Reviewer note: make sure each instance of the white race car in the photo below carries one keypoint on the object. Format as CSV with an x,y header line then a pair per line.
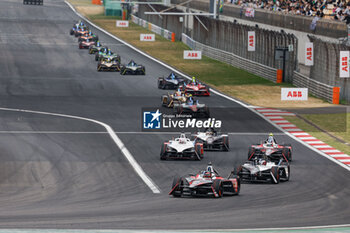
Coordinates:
x,y
212,140
181,148
264,170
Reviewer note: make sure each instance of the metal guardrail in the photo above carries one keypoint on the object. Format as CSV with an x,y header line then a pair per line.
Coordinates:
x,y
232,59
152,27
316,88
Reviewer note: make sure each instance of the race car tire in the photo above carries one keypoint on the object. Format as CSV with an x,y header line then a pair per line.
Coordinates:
x,y
99,68
218,188
71,32
251,152
284,174
226,144
96,57
162,152
238,184
238,171
122,71
176,190
276,173
199,151
165,100
143,70
160,83
286,154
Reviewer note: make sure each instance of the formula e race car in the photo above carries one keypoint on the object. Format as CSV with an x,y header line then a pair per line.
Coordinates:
x,y
171,82
85,44
271,149
175,99
108,64
264,170
76,26
193,108
181,148
132,68
206,183
89,36
196,89
97,48
212,140
101,53
81,31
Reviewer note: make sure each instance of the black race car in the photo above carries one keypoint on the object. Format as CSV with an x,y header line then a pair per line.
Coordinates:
x,y
173,81
97,48
194,108
132,68
206,183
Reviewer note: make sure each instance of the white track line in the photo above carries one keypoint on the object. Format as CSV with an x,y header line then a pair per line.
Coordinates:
x,y
213,91
114,137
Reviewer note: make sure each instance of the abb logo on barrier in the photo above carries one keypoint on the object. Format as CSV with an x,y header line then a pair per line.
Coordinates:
x,y
251,41
344,64
122,23
309,54
294,94
147,37
190,54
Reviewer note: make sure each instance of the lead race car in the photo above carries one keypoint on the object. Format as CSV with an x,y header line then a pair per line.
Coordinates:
x,y
132,68
272,149
206,183
173,81
264,169
212,140
108,64
193,108
196,88
181,148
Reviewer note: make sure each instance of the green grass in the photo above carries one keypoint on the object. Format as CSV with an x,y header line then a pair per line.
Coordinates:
x,y
102,16
322,121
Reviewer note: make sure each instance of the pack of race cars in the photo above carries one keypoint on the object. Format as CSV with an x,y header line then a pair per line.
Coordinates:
x,y
106,59
267,161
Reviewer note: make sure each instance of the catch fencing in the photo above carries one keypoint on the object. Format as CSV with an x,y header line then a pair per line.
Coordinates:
x,y
152,27
233,38
326,66
232,59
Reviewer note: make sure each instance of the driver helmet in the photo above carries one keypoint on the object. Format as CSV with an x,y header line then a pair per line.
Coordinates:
x,y
172,76
178,93
81,23
98,44
270,139
109,52
90,32
190,100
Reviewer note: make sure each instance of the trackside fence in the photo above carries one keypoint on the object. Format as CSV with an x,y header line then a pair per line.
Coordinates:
x,y
316,88
152,27
232,59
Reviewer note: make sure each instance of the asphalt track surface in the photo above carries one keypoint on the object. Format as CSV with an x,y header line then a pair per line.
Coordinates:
x,y
80,179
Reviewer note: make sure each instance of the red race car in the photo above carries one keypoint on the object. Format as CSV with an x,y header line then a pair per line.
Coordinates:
x,y
271,149
85,44
196,88
206,183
